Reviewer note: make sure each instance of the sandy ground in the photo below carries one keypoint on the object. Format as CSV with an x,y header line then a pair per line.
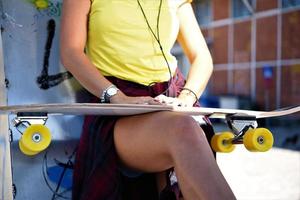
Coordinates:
x,y
273,175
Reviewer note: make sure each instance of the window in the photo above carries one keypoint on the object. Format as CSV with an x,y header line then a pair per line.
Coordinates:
x,y
290,3
203,11
242,8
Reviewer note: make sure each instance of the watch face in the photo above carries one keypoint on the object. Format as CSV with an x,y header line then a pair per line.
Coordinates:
x,y
111,91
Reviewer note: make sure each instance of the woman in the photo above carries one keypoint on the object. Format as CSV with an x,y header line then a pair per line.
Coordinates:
x,y
119,50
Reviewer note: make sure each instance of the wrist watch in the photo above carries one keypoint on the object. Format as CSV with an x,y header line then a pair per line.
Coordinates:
x,y
108,93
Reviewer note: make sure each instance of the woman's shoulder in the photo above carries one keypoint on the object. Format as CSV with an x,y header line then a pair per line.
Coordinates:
x,y
180,2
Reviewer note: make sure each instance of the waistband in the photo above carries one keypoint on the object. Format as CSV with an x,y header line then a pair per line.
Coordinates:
x,y
170,88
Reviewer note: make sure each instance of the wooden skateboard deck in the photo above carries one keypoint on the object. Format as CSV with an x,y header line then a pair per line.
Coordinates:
x,y
243,123
133,109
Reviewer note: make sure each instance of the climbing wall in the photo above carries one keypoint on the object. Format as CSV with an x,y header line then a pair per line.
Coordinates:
x,y
33,74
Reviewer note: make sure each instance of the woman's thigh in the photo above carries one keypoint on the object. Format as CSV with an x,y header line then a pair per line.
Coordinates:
x,y
145,142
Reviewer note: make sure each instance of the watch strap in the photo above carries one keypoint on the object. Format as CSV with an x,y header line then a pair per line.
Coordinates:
x,y
105,98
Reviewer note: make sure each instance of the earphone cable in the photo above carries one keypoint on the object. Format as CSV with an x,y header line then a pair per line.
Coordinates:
x,y
157,38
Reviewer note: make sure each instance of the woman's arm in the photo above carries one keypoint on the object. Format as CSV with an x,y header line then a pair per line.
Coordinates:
x,y
195,48
73,39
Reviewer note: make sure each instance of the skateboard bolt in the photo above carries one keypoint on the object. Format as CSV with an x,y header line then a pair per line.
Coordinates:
x,y
36,137
260,140
225,142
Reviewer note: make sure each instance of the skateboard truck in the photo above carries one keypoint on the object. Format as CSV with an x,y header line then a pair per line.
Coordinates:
x,y
24,120
239,125
243,130
36,137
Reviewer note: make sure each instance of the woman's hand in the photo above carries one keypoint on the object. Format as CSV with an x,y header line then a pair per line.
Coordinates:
x,y
182,100
121,98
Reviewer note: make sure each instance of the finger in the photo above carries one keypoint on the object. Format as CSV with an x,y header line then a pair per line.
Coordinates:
x,y
143,100
146,100
179,102
162,99
170,100
155,102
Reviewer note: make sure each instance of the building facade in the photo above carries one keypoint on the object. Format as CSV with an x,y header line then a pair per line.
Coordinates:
x,y
255,46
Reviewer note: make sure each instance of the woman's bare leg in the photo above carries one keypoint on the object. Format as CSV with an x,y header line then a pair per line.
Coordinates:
x,y
158,141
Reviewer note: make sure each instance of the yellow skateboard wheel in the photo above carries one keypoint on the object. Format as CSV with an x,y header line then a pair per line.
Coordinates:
x,y
36,138
41,4
26,151
222,142
258,140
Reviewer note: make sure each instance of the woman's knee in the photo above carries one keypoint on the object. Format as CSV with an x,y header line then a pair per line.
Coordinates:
x,y
184,130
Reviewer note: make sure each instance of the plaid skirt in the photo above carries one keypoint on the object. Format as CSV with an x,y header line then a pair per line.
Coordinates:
x,y
96,175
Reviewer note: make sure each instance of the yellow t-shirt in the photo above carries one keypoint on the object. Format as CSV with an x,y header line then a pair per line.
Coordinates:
x,y
120,43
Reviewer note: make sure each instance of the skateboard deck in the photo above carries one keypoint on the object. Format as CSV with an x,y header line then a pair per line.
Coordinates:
x,y
242,123
133,109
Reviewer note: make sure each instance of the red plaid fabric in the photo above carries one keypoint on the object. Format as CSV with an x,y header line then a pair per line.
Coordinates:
x,y
96,175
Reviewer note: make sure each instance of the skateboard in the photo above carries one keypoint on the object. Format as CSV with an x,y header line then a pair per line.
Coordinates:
x,y
30,120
